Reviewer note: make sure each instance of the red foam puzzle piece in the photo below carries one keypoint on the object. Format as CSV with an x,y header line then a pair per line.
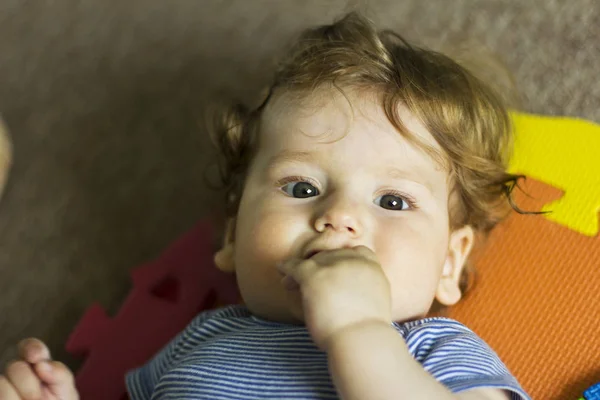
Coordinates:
x,y
167,294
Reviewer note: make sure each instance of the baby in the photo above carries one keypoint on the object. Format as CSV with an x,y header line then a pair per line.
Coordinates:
x,y
355,193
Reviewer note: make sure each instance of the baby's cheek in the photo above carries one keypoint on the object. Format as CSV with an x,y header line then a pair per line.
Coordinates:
x,y
411,260
261,242
413,285
267,238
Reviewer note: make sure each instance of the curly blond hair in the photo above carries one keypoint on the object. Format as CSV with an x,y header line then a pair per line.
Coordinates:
x,y
467,118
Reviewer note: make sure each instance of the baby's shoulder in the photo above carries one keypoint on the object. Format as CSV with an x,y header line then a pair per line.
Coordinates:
x,y
227,312
425,334
228,317
440,325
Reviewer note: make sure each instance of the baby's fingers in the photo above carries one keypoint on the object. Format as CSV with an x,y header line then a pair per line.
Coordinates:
x,y
58,379
296,272
33,351
7,390
24,381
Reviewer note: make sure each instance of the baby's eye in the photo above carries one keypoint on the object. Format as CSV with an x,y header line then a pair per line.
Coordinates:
x,y
300,190
392,202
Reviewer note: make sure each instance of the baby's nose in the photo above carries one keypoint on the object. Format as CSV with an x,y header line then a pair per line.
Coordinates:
x,y
341,217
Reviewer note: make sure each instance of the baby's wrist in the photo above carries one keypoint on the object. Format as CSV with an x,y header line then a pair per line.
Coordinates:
x,y
357,331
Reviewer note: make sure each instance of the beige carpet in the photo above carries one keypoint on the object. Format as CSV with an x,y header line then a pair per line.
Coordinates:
x,y
103,100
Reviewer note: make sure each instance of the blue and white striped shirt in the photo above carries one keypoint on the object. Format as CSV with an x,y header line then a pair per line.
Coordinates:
x,y
230,354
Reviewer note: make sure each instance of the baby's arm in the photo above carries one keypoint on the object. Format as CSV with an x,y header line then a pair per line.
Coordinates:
x,y
371,360
35,376
347,309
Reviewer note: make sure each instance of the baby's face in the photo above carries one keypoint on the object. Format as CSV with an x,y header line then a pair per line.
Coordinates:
x,y
322,162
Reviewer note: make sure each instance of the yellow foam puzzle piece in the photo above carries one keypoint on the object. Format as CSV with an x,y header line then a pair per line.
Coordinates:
x,y
564,153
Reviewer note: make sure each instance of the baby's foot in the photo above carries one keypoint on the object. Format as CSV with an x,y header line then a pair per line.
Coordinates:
x,y
36,377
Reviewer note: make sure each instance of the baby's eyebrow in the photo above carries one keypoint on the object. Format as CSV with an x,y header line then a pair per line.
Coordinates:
x,y
291,156
391,172
397,173
401,174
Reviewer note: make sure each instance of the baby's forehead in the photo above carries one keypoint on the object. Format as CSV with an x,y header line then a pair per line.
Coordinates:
x,y
295,107
324,116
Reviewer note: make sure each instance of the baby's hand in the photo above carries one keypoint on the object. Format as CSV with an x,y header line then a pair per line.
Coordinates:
x,y
35,377
340,288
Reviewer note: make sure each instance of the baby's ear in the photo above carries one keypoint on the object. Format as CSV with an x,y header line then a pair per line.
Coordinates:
x,y
459,247
224,258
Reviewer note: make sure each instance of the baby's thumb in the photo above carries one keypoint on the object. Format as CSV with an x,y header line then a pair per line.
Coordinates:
x,y
58,379
33,350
